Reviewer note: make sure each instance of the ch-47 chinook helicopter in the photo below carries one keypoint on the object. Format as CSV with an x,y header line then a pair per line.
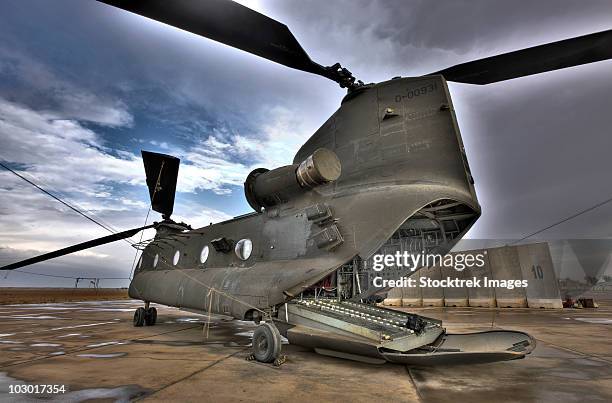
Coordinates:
x,y
389,164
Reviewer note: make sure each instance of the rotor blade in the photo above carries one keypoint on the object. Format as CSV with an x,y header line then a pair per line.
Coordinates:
x,y
75,248
230,23
539,59
161,171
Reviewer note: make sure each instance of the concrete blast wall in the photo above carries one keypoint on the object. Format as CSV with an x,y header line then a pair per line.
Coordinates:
x,y
531,262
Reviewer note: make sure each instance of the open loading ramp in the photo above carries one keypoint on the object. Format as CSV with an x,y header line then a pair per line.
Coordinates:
x,y
372,334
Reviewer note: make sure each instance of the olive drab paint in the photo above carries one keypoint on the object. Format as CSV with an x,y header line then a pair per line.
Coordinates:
x,y
399,149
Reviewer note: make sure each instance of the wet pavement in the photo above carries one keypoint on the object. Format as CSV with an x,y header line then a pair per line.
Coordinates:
x,y
571,363
93,349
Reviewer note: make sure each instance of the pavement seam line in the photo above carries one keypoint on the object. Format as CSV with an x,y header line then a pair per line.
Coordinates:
x,y
416,388
190,375
584,355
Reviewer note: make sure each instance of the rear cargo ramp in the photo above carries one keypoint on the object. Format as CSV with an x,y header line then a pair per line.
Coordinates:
x,y
372,334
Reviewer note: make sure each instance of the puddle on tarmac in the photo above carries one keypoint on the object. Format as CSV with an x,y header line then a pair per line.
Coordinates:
x,y
87,325
131,302
106,310
69,335
10,317
57,353
598,321
9,342
6,334
118,394
45,345
185,343
108,343
109,355
189,320
46,308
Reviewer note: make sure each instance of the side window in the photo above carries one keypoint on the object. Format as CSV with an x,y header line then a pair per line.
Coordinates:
x,y
204,254
243,249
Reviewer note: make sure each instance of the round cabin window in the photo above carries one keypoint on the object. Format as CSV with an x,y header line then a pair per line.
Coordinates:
x,y
204,254
243,249
177,256
156,260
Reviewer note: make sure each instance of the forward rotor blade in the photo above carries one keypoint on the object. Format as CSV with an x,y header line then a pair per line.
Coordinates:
x,y
161,171
75,248
539,59
230,23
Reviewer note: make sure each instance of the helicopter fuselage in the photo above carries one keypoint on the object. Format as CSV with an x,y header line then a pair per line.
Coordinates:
x,y
402,163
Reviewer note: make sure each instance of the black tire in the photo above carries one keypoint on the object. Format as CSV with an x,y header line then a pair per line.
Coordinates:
x,y
150,316
266,343
139,317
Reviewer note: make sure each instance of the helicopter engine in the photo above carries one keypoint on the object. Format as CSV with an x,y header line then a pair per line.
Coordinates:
x,y
264,188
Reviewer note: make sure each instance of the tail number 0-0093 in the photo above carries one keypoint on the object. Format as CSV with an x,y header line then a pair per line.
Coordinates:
x,y
416,92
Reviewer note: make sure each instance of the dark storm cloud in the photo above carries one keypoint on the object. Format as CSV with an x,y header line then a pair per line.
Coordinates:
x,y
461,25
540,151
538,146
419,36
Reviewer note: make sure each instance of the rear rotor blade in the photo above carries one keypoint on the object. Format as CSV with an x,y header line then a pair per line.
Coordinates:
x,y
75,248
539,59
227,22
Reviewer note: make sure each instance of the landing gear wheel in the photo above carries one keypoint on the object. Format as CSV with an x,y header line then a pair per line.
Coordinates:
x,y
266,343
139,317
150,316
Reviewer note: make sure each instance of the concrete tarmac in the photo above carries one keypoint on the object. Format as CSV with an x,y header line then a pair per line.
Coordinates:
x,y
93,349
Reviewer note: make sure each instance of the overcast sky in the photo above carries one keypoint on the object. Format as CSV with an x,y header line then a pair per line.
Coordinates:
x,y
84,87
